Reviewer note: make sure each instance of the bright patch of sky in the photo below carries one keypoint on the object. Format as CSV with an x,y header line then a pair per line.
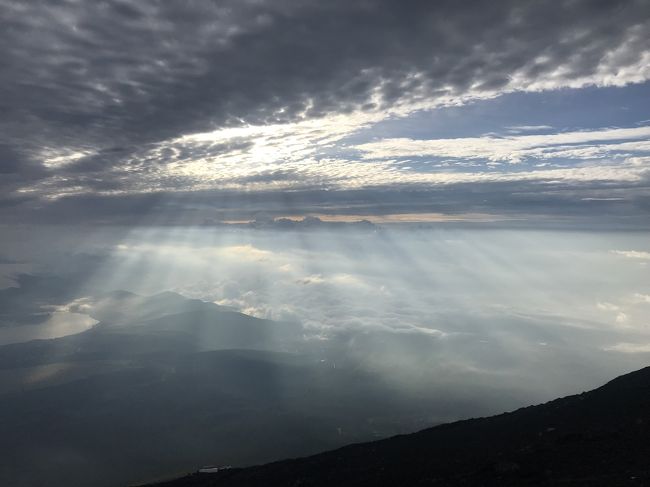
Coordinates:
x,y
551,111
607,123
589,134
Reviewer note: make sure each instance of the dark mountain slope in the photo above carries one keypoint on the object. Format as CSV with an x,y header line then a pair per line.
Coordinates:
x,y
597,438
168,416
138,397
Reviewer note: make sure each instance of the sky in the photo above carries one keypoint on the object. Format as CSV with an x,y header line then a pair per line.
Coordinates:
x,y
199,111
458,189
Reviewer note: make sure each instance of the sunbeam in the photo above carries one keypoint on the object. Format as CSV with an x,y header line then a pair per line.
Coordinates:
x,y
237,232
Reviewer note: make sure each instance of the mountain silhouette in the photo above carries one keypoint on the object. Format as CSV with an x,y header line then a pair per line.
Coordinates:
x,y
597,438
163,384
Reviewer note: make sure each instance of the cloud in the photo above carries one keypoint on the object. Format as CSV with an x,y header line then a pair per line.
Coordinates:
x,y
514,148
626,347
607,306
632,254
528,200
300,156
440,303
105,97
246,252
642,298
528,128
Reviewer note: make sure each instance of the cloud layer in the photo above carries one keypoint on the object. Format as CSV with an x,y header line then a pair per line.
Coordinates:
x,y
112,97
453,305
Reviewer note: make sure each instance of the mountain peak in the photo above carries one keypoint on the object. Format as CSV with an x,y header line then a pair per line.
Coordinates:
x,y
638,379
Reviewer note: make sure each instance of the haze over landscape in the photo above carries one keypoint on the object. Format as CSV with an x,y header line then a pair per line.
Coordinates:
x,y
240,231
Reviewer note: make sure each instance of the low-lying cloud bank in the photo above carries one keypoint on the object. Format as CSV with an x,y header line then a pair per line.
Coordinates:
x,y
446,304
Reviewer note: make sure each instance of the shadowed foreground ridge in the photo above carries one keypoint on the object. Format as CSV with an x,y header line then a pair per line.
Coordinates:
x,y
597,438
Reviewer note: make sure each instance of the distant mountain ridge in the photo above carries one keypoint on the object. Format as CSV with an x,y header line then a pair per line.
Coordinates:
x,y
597,438
130,325
163,384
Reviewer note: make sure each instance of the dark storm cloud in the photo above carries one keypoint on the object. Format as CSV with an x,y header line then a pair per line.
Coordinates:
x,y
99,75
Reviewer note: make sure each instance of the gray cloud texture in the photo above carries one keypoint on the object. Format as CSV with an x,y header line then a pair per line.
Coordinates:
x,y
104,82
